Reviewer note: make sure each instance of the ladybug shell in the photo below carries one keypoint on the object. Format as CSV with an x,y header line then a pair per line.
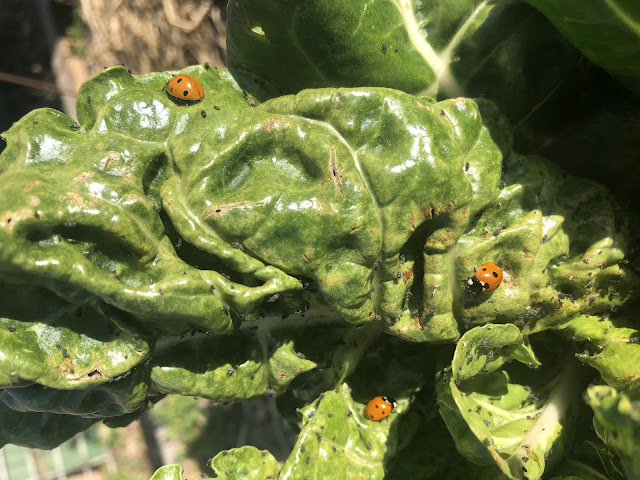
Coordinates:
x,y
379,407
489,275
185,87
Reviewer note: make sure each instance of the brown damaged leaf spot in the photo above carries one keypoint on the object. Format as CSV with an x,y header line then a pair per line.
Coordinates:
x,y
9,219
270,124
426,213
218,210
406,275
355,229
75,200
82,177
32,185
334,173
631,378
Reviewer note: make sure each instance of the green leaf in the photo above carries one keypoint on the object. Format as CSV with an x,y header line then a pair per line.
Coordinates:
x,y
426,449
558,239
168,472
505,51
459,49
617,423
337,440
612,348
225,369
41,430
245,462
112,399
46,340
607,33
88,228
494,418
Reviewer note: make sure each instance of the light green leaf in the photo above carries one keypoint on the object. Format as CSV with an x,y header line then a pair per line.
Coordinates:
x,y
617,423
46,340
337,440
168,472
245,462
494,419
613,348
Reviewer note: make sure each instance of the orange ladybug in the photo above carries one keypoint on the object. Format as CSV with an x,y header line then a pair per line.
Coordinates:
x,y
379,407
185,87
487,278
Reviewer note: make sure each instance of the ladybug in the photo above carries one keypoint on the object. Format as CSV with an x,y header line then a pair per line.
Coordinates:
x,y
185,87
487,278
379,407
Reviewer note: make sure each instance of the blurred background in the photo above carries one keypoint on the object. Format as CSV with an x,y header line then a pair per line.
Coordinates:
x,y
52,46
49,48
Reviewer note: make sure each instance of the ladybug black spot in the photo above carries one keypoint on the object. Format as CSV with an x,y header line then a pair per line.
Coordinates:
x,y
185,93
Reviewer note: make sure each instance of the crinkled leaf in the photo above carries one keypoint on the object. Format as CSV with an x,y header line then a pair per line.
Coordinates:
x,y
617,423
496,420
559,242
561,105
348,166
79,205
613,348
245,462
